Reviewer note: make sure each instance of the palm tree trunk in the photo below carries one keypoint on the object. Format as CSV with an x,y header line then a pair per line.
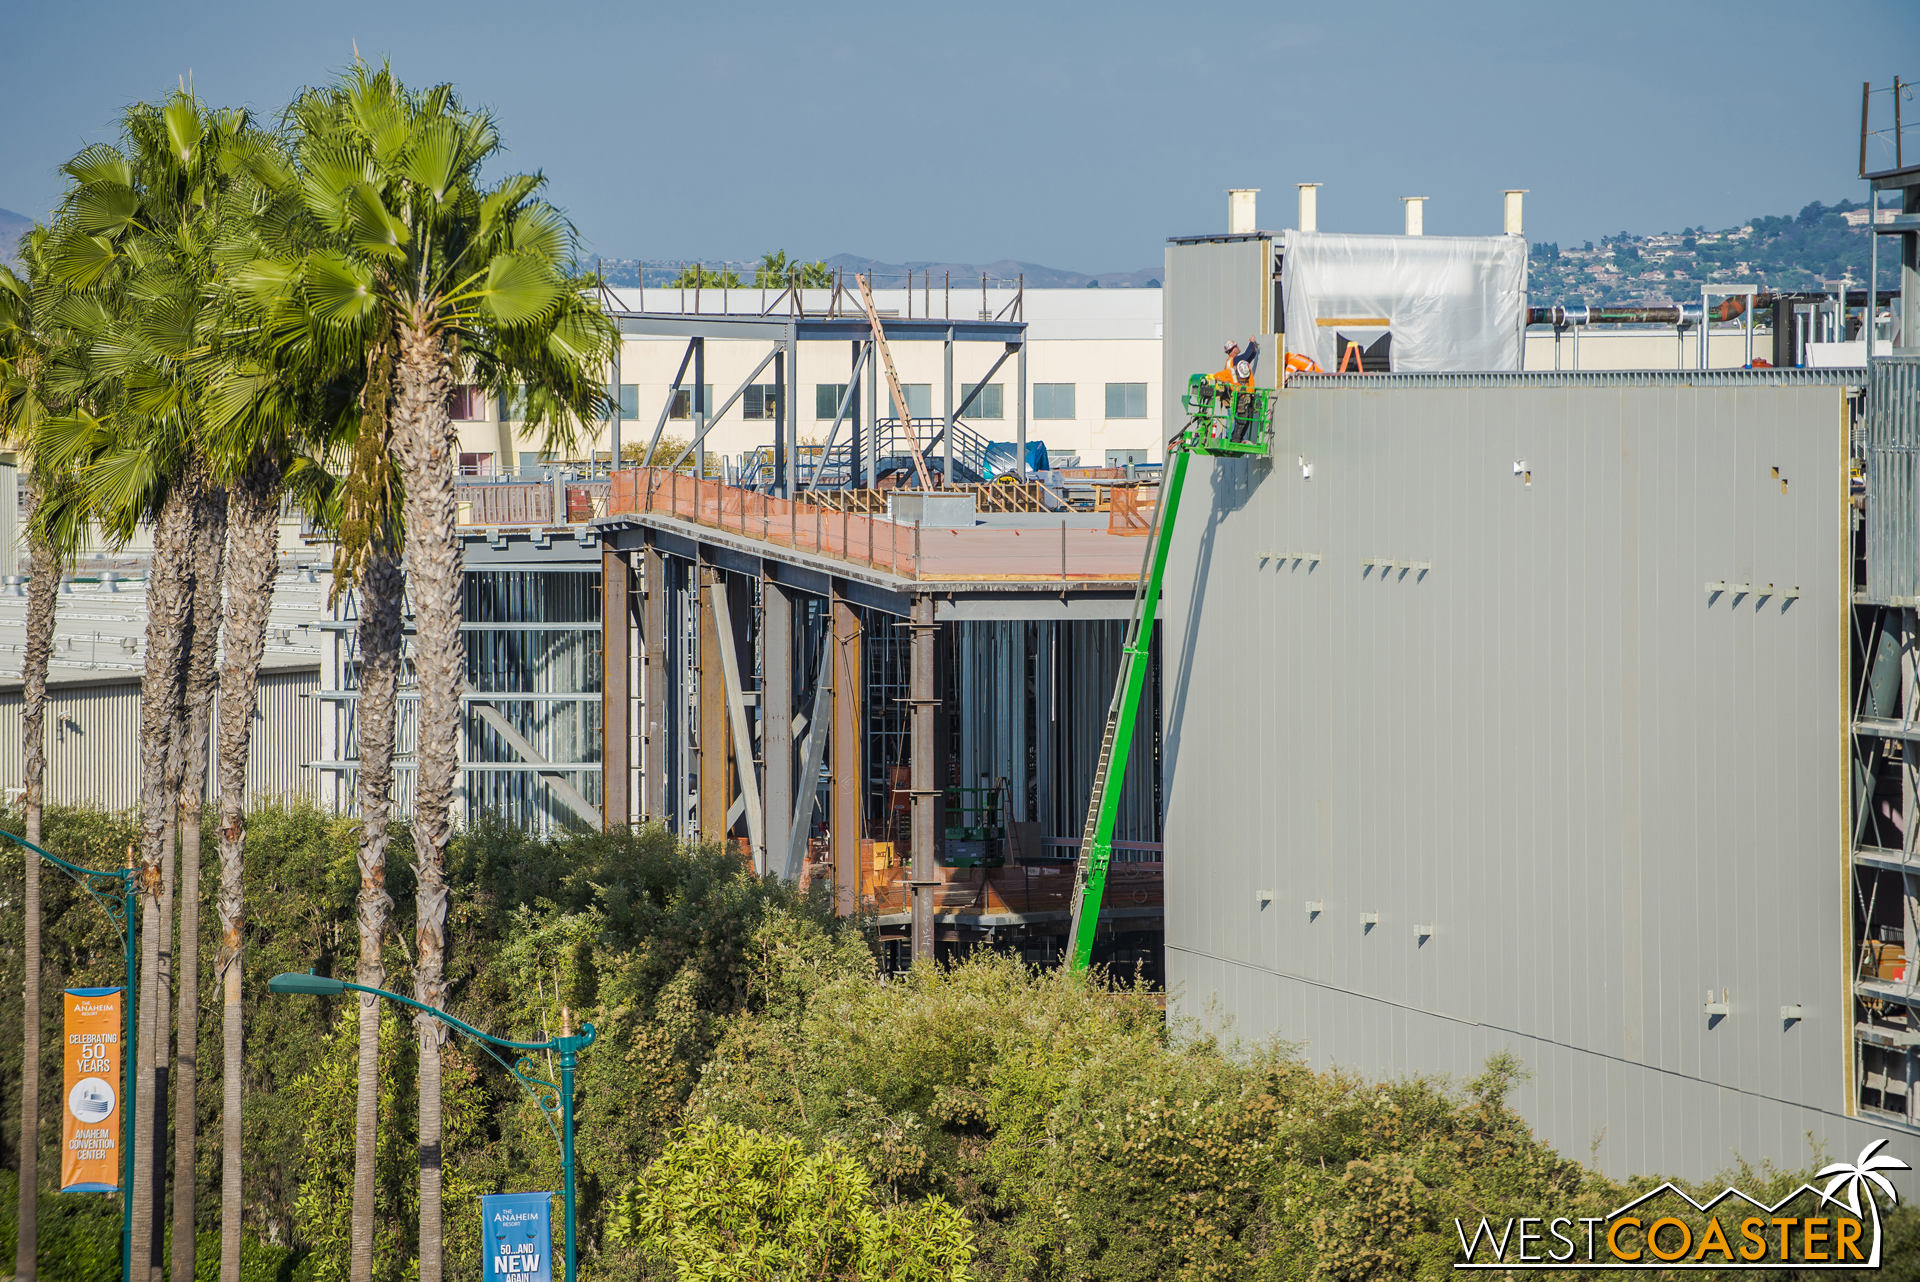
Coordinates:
x,y
252,561
381,592
210,534
43,595
169,604
427,448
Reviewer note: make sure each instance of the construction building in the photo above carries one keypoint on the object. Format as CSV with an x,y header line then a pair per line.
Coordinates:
x,y
1566,713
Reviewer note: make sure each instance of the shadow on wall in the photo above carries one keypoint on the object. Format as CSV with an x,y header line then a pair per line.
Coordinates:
x,y
1231,486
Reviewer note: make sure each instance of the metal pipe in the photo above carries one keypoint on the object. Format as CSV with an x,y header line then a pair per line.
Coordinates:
x,y
699,401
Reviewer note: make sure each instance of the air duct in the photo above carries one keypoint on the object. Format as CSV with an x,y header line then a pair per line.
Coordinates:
x,y
1513,227
1309,212
1240,219
1416,223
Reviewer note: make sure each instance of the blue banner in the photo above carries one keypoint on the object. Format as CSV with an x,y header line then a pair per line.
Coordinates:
x,y
516,1232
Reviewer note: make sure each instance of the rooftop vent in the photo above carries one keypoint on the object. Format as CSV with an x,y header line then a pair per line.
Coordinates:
x,y
1240,219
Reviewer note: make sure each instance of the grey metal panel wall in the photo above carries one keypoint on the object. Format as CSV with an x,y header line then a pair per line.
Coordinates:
x,y
1215,293
1605,790
93,742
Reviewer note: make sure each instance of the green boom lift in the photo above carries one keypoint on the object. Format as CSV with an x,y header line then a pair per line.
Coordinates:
x,y
1226,420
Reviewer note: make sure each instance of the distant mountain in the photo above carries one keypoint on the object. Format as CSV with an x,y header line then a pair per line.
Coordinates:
x,y
12,228
1000,275
1004,271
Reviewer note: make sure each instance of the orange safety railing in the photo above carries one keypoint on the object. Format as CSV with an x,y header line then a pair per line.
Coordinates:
x,y
856,538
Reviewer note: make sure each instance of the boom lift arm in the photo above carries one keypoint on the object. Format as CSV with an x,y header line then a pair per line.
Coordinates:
x,y
1228,419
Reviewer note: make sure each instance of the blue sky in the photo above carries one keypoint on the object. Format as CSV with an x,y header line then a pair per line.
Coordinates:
x,y
1078,136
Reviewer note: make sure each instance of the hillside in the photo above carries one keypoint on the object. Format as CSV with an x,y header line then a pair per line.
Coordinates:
x,y
1812,250
12,227
626,272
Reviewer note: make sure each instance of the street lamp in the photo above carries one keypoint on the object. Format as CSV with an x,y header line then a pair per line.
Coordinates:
x,y
116,891
549,1097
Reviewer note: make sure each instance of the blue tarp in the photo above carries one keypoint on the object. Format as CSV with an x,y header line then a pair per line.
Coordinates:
x,y
1000,457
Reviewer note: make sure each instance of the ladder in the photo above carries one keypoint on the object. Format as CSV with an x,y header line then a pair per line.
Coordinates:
x,y
893,382
1227,421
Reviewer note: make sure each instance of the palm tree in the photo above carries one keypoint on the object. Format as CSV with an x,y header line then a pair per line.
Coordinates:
x,y
134,244
22,362
1863,1176
449,281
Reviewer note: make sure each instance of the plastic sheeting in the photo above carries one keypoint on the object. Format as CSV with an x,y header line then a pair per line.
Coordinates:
x,y
1451,303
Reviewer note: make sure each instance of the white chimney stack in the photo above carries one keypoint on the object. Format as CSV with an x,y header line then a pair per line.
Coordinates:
x,y
1513,227
1240,219
1309,211
1416,223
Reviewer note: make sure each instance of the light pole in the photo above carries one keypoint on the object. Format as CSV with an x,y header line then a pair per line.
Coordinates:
x,y
551,1099
118,902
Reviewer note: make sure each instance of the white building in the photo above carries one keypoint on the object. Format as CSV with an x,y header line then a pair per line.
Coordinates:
x,y
1093,368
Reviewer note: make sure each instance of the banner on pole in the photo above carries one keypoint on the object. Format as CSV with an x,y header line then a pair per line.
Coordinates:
x,y
517,1235
90,1121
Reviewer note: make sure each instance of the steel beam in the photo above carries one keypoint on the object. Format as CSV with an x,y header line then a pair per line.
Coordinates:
x,y
730,644
552,775
811,755
653,443
616,696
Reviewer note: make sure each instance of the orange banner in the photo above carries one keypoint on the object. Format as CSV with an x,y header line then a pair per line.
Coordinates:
x,y
90,1126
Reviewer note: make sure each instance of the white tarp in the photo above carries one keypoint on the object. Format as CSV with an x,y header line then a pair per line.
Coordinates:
x,y
1450,302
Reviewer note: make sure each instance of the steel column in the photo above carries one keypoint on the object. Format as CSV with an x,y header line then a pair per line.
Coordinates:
x,y
616,696
946,434
790,397
776,717
712,694
779,424
1020,428
656,798
699,408
858,477
614,454
925,782
872,408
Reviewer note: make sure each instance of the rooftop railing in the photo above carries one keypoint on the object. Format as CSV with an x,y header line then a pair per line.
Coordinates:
x,y
869,540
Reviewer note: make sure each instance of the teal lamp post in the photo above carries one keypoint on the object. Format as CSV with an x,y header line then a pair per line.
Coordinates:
x,y
551,1099
115,891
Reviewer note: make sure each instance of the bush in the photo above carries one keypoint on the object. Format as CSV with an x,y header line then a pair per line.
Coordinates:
x,y
724,1202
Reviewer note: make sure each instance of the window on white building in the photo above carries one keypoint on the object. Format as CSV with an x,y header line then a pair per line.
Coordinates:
x,y
467,402
683,402
1053,400
629,400
1126,400
991,403
761,401
827,397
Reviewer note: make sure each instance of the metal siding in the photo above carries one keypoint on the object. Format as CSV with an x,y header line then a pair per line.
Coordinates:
x,y
93,742
1606,792
1214,295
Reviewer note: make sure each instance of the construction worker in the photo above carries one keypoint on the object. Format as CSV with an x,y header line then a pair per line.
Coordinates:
x,y
1240,365
1236,382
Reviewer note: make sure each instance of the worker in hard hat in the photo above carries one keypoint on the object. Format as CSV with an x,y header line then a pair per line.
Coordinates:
x,y
1241,363
1236,383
